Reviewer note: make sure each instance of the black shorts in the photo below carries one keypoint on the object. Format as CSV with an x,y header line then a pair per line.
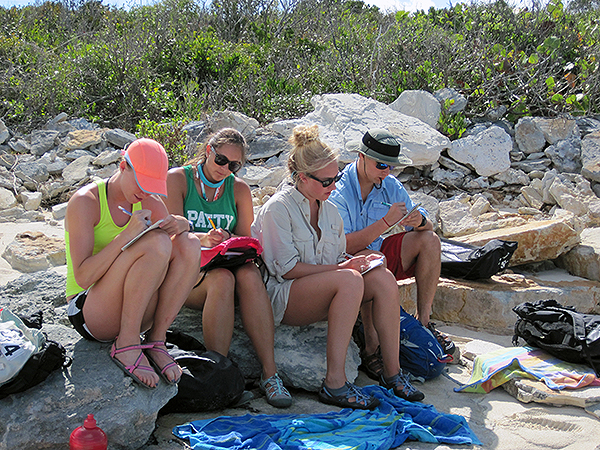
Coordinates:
x,y
75,313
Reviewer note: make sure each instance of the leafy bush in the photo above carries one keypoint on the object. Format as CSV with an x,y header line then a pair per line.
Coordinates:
x,y
181,59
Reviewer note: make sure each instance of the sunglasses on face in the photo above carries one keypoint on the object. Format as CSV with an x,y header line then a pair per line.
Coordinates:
x,y
382,166
327,181
222,160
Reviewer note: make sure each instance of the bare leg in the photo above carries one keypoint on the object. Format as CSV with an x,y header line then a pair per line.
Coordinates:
x,y
423,248
381,291
125,297
181,277
335,296
257,315
215,297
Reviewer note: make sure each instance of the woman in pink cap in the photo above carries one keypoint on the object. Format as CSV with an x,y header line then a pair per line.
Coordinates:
x,y
117,293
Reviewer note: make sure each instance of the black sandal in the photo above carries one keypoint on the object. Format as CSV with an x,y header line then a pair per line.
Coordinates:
x,y
372,365
361,401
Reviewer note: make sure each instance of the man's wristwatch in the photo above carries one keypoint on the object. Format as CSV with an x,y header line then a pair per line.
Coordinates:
x,y
423,221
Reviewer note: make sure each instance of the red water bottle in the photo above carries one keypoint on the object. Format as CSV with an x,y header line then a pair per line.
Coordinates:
x,y
88,436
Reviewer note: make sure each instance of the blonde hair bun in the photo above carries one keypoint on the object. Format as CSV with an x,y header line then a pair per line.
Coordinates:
x,y
304,135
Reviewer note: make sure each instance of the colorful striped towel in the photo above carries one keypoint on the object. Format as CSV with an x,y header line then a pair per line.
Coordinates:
x,y
388,426
496,368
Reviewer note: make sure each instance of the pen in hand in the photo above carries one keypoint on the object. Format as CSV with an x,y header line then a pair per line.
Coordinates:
x,y
212,223
148,222
386,204
347,255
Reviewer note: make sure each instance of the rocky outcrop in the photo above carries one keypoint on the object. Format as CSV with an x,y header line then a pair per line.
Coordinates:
x,y
488,304
93,384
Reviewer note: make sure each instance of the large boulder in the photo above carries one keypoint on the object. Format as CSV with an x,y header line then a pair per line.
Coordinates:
x,y
92,384
487,152
346,117
538,240
584,259
300,352
487,304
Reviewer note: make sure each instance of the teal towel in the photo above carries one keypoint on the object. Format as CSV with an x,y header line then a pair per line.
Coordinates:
x,y
392,423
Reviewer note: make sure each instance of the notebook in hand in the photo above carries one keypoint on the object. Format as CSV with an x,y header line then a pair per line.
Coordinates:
x,y
135,239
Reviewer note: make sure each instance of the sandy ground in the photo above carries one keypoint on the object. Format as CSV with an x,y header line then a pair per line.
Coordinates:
x,y
499,420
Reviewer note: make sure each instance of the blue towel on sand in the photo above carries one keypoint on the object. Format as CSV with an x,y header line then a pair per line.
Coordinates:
x,y
393,422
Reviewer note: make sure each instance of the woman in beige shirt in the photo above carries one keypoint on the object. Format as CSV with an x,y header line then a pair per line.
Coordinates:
x,y
303,247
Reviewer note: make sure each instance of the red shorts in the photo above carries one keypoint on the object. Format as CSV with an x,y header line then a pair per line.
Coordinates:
x,y
391,248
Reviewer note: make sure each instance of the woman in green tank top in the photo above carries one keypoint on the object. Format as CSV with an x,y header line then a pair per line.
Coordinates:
x,y
115,291
218,206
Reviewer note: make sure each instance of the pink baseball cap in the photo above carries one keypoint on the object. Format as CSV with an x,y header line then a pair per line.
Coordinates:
x,y
150,164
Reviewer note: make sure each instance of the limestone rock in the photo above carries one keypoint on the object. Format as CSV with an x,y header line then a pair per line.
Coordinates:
x,y
82,139
420,104
42,141
538,240
590,156
32,251
7,199
232,119
346,117
487,304
93,384
300,352
78,169
529,136
119,138
31,200
584,259
4,133
39,291
457,101
487,152
107,157
266,145
527,391
456,218
566,155
557,129
59,211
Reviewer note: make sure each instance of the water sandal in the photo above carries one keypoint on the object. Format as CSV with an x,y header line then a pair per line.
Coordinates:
x,y
114,351
446,343
157,346
361,401
372,365
401,386
277,395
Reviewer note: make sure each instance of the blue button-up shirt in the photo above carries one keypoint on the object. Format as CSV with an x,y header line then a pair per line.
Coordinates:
x,y
358,215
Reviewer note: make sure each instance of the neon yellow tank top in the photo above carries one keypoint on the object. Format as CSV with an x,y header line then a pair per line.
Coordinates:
x,y
104,232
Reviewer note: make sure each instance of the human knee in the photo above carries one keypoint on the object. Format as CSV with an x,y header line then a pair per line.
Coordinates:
x,y
158,244
220,280
349,279
186,246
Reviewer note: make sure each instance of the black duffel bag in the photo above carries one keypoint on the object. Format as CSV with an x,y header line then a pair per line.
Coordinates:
x,y
560,330
469,262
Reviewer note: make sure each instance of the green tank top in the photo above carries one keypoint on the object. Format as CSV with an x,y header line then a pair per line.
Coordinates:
x,y
104,232
222,211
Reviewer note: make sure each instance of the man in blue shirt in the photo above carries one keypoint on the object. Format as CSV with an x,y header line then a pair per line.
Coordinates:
x,y
371,201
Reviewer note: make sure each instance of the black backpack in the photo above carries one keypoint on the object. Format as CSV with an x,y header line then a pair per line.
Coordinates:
x,y
460,260
210,381
560,331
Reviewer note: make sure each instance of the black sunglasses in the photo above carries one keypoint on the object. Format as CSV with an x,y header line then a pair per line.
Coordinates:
x,y
381,166
327,181
222,160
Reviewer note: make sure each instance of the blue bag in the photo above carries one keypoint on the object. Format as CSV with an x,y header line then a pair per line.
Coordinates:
x,y
420,353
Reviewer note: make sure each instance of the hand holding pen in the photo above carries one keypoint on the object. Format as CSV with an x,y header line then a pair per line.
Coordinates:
x,y
143,214
215,235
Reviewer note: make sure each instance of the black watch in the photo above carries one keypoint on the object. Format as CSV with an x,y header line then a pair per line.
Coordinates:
x,y
424,221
